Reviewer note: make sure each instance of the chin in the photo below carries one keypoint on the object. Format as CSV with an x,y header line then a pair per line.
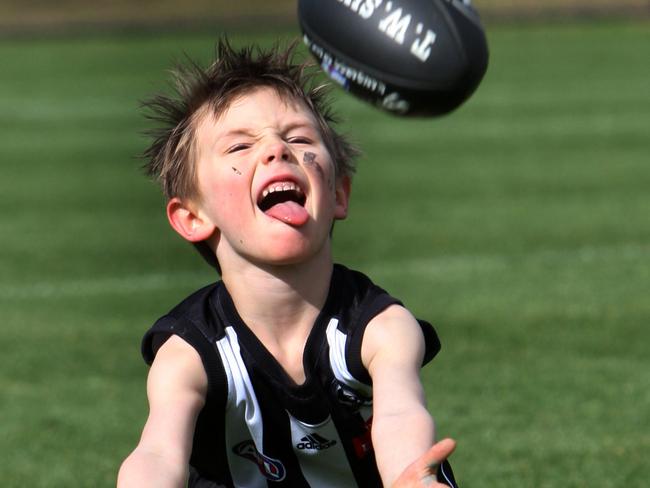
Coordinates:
x,y
292,255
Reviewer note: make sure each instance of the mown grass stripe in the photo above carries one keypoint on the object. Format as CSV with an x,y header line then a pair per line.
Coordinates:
x,y
455,265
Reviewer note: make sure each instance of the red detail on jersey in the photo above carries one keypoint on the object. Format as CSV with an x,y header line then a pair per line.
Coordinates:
x,y
270,468
363,443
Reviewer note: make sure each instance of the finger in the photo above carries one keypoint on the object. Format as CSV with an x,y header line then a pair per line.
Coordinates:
x,y
437,454
422,472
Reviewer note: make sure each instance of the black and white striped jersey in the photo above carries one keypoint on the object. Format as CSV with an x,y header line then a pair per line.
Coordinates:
x,y
259,428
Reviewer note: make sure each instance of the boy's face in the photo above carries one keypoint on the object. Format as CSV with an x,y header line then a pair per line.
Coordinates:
x,y
267,183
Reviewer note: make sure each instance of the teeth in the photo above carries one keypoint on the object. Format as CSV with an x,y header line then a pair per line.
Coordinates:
x,y
282,186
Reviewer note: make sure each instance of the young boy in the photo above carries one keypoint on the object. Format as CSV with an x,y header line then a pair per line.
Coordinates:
x,y
290,371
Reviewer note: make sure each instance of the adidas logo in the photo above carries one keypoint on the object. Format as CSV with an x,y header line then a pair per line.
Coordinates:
x,y
314,441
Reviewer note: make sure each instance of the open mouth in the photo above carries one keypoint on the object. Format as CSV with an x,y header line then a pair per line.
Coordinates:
x,y
280,192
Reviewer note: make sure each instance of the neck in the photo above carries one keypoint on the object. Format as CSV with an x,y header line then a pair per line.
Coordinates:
x,y
280,298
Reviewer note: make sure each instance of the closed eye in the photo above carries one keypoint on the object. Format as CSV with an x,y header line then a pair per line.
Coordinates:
x,y
237,147
299,140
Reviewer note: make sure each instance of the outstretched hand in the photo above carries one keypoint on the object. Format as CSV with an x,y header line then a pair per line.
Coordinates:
x,y
422,472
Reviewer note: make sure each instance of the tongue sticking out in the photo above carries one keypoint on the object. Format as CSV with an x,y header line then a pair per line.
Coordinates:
x,y
289,212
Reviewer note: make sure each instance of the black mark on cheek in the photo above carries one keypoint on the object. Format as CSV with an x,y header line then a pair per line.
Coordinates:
x,y
310,160
236,170
309,157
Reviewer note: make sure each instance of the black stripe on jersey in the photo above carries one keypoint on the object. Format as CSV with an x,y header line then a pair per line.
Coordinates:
x,y
211,460
353,430
446,475
278,443
355,437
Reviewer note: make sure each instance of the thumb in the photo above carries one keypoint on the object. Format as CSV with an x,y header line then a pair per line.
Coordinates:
x,y
429,462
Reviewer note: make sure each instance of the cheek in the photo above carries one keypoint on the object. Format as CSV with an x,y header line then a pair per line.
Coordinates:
x,y
225,194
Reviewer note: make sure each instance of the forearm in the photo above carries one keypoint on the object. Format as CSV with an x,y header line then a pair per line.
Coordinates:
x,y
400,438
144,468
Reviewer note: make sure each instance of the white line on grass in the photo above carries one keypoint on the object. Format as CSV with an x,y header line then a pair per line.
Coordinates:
x,y
103,286
456,265
472,264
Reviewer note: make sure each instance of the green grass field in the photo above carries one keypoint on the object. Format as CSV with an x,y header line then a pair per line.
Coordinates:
x,y
519,225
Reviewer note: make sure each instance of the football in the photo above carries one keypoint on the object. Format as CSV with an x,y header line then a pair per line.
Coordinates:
x,y
409,57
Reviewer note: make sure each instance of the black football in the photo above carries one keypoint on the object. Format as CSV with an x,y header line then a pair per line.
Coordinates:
x,y
410,57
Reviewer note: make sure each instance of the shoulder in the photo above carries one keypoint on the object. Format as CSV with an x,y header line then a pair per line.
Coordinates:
x,y
188,334
193,319
359,299
177,365
394,336
193,307
374,320
176,389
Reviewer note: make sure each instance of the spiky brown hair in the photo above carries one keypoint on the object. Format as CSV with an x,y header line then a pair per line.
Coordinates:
x,y
171,157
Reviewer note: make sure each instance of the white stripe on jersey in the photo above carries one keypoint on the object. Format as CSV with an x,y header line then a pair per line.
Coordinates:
x,y
243,415
446,476
336,340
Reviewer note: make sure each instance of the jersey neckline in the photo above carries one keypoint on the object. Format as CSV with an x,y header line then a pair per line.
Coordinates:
x,y
259,353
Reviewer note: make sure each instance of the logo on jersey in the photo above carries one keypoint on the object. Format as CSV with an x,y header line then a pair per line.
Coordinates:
x,y
314,442
271,469
349,397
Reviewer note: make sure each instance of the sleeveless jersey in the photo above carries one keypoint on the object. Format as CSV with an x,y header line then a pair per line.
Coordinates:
x,y
259,428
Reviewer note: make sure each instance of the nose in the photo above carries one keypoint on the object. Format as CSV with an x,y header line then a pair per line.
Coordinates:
x,y
276,151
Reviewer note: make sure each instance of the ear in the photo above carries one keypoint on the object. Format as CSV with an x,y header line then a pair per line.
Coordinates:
x,y
187,221
342,189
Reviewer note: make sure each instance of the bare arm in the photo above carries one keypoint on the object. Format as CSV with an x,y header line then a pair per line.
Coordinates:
x,y
402,429
176,389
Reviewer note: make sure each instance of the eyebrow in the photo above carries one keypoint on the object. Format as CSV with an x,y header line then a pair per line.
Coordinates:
x,y
301,125
236,132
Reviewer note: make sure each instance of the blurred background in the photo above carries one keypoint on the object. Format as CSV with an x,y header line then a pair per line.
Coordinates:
x,y
40,15
33,16
519,225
